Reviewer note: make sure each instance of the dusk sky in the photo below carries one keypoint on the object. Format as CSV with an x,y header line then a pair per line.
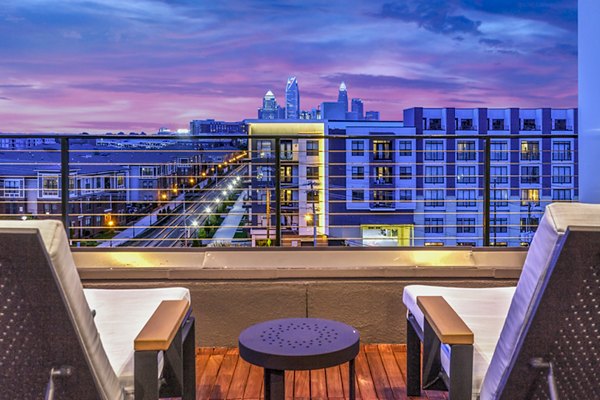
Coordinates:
x,y
112,65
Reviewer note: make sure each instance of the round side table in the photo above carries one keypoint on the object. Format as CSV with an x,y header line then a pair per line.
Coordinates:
x,y
298,344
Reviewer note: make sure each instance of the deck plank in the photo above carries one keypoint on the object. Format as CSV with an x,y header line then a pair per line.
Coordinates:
x,y
335,390
239,380
378,374
254,383
225,374
318,385
392,370
302,385
363,376
209,375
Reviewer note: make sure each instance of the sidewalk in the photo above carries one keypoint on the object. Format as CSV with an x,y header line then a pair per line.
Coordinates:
x,y
231,222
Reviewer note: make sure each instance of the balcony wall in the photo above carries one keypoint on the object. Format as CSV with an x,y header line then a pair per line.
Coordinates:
x,y
362,287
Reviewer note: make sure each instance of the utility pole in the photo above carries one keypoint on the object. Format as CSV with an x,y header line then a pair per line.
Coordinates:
x,y
314,211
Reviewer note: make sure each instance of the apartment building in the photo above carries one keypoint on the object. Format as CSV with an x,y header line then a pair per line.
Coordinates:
x,y
418,182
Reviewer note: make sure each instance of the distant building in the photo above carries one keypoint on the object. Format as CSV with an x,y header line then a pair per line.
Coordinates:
x,y
358,108
372,115
292,99
352,116
343,96
208,126
333,110
270,109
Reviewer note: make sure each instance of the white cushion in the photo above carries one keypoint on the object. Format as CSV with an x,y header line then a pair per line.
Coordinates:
x,y
120,316
544,247
55,240
482,309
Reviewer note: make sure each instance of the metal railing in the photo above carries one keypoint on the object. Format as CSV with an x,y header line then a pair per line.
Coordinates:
x,y
234,190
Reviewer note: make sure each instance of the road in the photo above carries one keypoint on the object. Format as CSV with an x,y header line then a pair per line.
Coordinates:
x,y
174,229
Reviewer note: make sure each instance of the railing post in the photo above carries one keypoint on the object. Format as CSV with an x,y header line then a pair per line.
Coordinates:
x,y
64,183
278,192
486,192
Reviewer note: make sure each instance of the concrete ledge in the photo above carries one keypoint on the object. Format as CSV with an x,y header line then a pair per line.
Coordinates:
x,y
361,287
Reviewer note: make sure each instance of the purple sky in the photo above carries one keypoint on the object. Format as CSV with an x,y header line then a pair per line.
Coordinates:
x,y
110,65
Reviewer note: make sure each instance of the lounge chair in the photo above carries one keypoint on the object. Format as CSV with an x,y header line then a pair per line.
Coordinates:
x,y
60,340
536,341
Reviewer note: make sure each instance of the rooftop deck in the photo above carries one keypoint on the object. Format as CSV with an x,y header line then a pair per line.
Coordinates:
x,y
380,374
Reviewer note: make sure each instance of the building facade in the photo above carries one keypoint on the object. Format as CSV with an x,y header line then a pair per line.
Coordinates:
x,y
423,181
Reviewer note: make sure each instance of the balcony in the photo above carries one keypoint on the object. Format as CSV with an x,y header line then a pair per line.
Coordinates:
x,y
233,284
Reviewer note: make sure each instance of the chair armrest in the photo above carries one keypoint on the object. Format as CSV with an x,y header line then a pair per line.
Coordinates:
x,y
444,321
159,331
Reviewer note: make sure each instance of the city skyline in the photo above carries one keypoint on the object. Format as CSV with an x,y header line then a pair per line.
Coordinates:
x,y
105,65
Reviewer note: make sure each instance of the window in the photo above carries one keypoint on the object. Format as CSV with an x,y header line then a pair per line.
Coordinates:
x,y
405,195
120,181
465,151
383,175
286,152
530,150
383,199
498,225
358,195
50,186
529,224
358,172
405,172
499,151
466,124
263,173
560,124
497,124
561,151
312,173
312,147
465,198
530,196
404,148
466,175
435,124
358,148
465,225
286,174
148,171
434,174
434,225
434,150
529,124
530,174
382,149
561,195
13,188
499,198
499,174
263,147
561,175
286,198
434,198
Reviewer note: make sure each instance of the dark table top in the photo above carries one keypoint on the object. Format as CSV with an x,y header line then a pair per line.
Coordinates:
x,y
299,343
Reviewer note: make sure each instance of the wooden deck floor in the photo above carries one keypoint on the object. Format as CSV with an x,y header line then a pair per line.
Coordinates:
x,y
380,374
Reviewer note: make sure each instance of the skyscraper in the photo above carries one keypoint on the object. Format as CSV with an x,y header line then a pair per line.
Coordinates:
x,y
292,99
270,109
343,96
357,107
